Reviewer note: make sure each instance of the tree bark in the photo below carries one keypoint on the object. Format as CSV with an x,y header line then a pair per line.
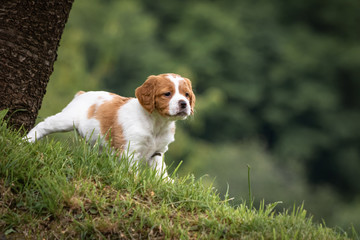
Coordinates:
x,y
30,31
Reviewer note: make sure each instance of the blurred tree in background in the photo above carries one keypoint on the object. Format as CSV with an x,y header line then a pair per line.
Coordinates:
x,y
277,85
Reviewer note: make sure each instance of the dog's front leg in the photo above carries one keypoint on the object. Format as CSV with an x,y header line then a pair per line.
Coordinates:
x,y
157,163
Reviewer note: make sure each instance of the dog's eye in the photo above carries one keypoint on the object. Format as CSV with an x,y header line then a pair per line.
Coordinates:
x,y
167,94
187,95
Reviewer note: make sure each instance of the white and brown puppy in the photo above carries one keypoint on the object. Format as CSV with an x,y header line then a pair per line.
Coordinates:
x,y
144,125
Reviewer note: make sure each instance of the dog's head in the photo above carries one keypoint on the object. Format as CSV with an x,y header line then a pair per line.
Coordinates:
x,y
169,94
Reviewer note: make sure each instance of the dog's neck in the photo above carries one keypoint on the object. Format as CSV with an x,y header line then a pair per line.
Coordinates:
x,y
161,123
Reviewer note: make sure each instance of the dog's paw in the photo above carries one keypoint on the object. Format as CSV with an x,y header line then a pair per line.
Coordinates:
x,y
168,179
27,138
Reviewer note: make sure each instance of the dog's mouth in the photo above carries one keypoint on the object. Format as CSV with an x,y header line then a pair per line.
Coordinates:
x,y
181,114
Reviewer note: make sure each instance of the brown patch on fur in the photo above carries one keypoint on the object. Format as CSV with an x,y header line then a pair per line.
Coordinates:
x,y
185,87
91,111
146,93
151,94
107,115
164,85
79,93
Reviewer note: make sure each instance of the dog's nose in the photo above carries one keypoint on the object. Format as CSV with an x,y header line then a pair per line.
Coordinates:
x,y
182,104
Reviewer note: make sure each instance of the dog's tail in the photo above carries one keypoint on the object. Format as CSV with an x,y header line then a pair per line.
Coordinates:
x,y
79,93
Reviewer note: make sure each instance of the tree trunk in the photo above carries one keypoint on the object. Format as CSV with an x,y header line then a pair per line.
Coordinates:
x,y
30,31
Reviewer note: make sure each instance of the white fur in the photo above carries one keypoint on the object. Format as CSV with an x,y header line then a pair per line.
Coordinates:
x,y
146,133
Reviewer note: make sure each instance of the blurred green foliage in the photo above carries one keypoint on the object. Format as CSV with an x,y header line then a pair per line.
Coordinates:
x,y
277,86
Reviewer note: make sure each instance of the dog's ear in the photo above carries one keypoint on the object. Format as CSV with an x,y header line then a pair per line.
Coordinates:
x,y
146,93
192,95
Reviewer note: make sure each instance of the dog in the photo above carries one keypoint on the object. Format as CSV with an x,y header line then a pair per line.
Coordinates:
x,y
143,126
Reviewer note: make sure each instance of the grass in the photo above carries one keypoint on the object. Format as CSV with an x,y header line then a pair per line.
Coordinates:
x,y
57,190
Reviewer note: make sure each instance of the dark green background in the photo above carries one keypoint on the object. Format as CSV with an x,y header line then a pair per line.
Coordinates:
x,y
277,85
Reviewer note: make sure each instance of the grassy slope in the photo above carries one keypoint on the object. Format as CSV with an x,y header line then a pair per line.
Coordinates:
x,y
68,190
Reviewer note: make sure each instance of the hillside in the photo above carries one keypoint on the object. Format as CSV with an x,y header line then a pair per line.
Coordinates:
x,y
66,190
